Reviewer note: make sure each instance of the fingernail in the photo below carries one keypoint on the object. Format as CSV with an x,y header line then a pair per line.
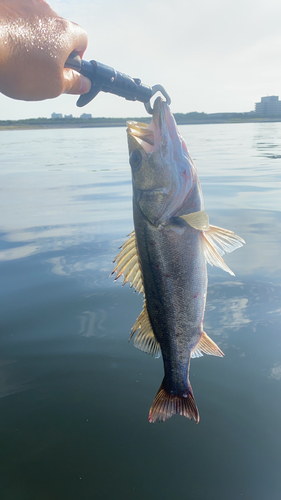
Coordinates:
x,y
85,85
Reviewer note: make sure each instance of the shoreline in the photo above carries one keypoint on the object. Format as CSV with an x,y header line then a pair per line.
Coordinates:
x,y
45,124
58,126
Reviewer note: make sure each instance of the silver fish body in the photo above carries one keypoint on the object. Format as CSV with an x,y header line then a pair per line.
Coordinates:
x,y
171,246
175,282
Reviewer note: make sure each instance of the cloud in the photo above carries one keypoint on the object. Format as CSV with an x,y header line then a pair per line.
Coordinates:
x,y
210,56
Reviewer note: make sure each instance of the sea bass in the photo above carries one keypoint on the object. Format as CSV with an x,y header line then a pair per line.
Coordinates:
x,y
166,257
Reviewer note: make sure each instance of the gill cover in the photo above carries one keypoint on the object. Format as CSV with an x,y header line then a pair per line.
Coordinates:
x,y
162,170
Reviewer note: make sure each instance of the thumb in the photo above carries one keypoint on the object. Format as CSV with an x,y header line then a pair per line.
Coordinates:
x,y
74,83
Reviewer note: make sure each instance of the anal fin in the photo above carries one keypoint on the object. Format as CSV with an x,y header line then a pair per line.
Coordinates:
x,y
145,339
206,345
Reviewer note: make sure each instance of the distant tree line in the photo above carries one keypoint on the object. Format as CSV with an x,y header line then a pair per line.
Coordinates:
x,y
181,119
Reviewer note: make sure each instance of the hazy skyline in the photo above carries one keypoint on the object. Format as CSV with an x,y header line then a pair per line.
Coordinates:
x,y
210,56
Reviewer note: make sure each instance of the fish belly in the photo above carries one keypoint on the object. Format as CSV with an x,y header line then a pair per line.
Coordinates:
x,y
175,282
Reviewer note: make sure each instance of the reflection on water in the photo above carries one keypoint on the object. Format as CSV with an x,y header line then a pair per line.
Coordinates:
x,y
276,372
74,393
267,140
92,323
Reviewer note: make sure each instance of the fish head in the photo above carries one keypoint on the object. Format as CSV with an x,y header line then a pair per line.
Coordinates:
x,y
163,173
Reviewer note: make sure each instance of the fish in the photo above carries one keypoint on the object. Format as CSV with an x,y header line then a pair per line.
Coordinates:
x,y
165,258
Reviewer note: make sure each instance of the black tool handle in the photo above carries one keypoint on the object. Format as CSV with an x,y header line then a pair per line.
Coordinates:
x,y
106,79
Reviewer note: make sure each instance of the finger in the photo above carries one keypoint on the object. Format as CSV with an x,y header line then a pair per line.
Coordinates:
x,y
74,83
80,39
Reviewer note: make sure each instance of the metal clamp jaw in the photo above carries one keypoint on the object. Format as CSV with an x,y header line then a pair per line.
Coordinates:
x,y
106,79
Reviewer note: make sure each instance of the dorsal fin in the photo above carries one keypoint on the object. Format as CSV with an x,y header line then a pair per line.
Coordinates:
x,y
127,263
206,345
145,339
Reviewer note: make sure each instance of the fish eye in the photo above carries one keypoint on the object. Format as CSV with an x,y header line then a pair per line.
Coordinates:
x,y
135,159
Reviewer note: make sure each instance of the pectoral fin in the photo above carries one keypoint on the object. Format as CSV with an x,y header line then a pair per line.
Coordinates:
x,y
145,339
206,345
198,220
127,263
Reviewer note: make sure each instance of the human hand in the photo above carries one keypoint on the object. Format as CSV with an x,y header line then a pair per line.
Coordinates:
x,y
34,45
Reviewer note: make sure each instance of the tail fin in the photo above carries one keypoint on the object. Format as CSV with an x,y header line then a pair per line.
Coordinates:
x,y
166,405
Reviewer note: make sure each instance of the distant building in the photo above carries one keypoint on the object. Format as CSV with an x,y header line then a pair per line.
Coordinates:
x,y
56,115
86,116
269,106
68,116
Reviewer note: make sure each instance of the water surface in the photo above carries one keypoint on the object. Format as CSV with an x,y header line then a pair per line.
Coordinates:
x,y
74,394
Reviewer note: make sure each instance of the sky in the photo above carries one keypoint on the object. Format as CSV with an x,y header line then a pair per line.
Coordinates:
x,y
211,56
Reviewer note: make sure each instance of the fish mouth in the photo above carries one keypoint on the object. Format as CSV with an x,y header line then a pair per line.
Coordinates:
x,y
141,132
150,136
